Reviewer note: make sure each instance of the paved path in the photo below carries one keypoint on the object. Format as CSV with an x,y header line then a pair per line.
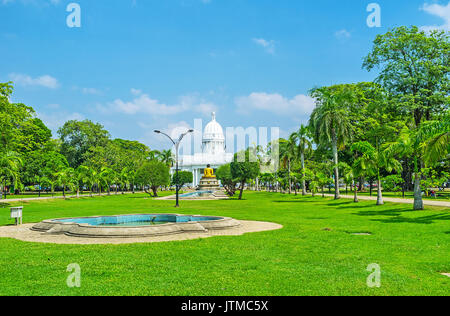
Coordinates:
x,y
395,200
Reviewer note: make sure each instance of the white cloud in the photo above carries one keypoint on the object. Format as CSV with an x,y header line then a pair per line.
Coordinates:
x,y
299,105
342,34
26,80
442,11
143,104
269,45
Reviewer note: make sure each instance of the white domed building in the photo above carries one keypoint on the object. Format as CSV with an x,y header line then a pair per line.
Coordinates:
x,y
213,152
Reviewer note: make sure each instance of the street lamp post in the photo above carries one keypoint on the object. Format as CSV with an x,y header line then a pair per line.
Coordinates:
x,y
177,146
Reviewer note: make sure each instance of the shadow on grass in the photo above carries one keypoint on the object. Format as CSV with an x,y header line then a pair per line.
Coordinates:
x,y
296,201
396,216
392,212
3,205
419,220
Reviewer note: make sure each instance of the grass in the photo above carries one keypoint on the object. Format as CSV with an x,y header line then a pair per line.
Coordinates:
x,y
314,254
441,196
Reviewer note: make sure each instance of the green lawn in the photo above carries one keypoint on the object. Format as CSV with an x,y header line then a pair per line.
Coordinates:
x,y
412,248
441,196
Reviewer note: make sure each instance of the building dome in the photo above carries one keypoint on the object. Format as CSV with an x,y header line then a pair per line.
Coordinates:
x,y
213,138
213,131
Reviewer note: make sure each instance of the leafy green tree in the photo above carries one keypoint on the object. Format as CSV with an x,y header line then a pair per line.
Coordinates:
x,y
10,163
392,182
414,68
153,174
226,178
330,123
184,177
20,130
245,166
78,137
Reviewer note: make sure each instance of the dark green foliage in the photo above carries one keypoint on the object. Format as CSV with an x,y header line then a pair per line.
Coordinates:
x,y
153,174
245,166
184,177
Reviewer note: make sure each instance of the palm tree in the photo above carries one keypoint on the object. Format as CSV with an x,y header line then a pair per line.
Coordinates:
x,y
372,159
65,178
106,176
124,177
10,163
408,144
304,147
330,122
435,136
166,157
89,176
288,153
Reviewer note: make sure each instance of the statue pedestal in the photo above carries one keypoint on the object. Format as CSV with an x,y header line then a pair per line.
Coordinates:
x,y
209,184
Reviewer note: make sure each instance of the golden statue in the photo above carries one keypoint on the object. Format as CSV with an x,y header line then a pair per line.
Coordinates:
x,y
209,172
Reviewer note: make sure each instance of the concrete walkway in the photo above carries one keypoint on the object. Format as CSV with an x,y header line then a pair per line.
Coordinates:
x,y
394,200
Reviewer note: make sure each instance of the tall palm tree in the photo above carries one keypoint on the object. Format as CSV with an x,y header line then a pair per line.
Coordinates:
x,y
124,177
435,136
89,176
406,145
302,136
288,153
166,157
106,176
372,159
10,163
330,122
65,178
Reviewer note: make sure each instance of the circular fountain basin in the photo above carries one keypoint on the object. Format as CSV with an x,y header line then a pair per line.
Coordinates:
x,y
138,225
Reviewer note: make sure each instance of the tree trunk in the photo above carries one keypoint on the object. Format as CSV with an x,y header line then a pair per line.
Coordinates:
x,y
155,191
355,198
289,176
242,189
336,170
379,192
302,158
418,202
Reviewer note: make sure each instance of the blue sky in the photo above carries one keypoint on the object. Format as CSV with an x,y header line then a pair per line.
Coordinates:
x,y
140,65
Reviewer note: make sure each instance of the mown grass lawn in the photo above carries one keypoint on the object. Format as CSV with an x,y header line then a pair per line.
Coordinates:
x,y
412,248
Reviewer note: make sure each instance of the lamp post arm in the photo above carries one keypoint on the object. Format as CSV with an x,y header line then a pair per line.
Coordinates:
x,y
168,137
